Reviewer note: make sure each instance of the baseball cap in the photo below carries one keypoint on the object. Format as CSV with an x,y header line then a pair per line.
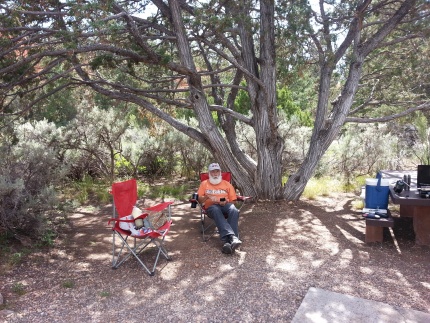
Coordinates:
x,y
214,166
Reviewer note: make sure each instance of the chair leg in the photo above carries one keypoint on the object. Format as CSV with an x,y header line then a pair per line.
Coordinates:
x,y
119,258
132,251
204,229
161,250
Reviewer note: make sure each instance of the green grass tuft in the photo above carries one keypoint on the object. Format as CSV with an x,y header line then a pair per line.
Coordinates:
x,y
69,283
323,186
18,288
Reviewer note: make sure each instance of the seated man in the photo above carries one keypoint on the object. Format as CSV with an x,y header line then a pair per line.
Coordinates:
x,y
216,195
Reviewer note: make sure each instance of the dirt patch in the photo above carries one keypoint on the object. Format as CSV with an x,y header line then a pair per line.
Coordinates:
x,y
287,248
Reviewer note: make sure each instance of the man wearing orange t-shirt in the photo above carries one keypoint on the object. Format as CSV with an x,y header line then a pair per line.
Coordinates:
x,y
216,195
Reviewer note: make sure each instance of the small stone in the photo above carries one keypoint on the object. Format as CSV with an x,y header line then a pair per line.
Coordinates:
x,y
5,313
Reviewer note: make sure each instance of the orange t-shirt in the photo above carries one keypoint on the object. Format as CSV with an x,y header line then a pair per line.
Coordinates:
x,y
215,192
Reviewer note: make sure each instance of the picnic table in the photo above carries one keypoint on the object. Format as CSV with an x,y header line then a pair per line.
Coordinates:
x,y
411,204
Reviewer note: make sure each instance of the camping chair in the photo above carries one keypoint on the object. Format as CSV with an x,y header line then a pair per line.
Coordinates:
x,y
129,223
240,202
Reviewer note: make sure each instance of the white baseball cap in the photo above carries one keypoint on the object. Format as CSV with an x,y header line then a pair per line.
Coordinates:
x,y
214,166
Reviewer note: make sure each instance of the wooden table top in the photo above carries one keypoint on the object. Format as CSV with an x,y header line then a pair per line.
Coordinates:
x,y
411,197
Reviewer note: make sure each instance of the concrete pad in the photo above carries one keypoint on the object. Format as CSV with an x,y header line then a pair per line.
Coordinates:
x,y
323,306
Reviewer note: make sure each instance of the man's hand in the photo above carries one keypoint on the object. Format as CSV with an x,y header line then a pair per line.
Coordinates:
x,y
223,201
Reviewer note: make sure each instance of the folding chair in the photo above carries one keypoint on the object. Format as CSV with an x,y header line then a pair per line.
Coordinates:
x,y
240,202
124,218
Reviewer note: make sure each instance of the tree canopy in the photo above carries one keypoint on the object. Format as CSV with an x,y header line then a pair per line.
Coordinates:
x,y
225,62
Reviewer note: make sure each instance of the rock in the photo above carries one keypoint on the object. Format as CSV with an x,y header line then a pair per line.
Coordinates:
x,y
1,299
5,313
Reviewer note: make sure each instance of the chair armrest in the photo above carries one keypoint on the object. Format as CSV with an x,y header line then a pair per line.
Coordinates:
x,y
159,207
243,198
142,216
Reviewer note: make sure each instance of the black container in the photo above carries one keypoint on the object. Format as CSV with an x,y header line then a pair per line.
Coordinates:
x,y
194,197
400,185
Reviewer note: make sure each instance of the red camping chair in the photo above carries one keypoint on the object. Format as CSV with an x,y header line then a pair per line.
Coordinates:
x,y
203,214
124,226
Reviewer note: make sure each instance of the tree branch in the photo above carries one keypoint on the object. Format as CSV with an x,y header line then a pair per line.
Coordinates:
x,y
422,107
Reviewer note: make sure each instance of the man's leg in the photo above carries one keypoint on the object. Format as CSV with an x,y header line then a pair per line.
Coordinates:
x,y
232,214
224,228
228,229
232,217
233,220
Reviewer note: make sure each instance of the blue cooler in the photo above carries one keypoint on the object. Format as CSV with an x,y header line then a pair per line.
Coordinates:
x,y
377,192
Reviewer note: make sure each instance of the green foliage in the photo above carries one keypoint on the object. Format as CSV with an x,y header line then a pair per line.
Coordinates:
x,y
145,153
398,76
169,191
29,170
328,186
83,189
4,236
103,60
421,148
19,288
68,283
59,108
360,150
296,139
323,186
143,62
89,190
93,139
17,73
242,104
48,237
103,196
16,258
160,151
142,189
124,167
285,103
357,204
190,157
11,259
291,109
49,151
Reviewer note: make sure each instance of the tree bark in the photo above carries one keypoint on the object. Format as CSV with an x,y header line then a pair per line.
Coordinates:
x,y
243,46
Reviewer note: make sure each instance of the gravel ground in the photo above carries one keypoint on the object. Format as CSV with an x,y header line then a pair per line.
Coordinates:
x,y
287,248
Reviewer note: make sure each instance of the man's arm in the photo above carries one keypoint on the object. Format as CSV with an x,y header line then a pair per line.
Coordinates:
x,y
203,199
201,191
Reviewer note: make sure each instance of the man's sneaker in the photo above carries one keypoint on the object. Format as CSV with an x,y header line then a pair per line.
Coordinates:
x,y
234,242
226,248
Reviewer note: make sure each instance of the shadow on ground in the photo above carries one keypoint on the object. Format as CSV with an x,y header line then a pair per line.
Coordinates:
x,y
287,248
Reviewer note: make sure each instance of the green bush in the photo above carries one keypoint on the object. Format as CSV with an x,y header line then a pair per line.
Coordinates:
x,y
360,150
179,192
29,171
89,190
